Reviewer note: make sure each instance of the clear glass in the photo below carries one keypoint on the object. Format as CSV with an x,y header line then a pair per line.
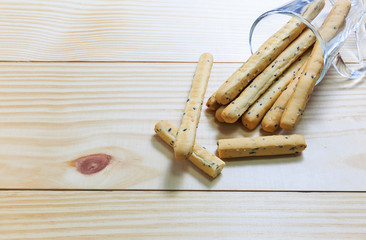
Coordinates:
x,y
332,50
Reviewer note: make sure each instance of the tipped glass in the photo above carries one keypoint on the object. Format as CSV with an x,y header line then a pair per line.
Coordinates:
x,y
354,29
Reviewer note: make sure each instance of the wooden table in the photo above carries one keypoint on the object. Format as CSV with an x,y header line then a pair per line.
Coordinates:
x,y
93,76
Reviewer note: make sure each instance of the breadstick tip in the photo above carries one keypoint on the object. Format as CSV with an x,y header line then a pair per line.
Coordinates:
x,y
207,56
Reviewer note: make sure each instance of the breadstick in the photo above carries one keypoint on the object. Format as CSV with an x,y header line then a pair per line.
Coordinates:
x,y
186,134
265,54
271,121
260,84
218,114
212,103
314,66
261,146
256,112
200,157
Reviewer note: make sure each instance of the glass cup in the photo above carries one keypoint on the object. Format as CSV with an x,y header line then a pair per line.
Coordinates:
x,y
354,30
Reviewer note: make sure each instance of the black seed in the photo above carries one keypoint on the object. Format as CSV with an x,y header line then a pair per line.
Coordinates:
x,y
194,108
298,48
257,115
312,76
251,152
184,129
335,27
297,24
248,75
258,53
281,146
184,114
305,74
255,149
208,60
275,125
188,100
293,148
232,102
286,137
248,113
203,147
169,129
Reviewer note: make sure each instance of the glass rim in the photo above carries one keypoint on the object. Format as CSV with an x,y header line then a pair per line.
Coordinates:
x,y
303,20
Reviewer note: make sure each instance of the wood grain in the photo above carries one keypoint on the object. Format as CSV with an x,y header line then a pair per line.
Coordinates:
x,y
54,113
143,30
181,215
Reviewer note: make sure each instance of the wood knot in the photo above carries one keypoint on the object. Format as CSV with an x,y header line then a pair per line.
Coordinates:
x,y
92,163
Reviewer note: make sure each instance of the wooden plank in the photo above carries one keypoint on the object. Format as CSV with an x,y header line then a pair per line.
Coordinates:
x,y
54,113
144,30
177,215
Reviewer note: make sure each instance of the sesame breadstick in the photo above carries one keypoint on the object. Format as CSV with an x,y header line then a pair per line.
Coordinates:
x,y
266,54
218,114
200,157
271,121
212,103
256,112
314,66
261,146
186,134
260,84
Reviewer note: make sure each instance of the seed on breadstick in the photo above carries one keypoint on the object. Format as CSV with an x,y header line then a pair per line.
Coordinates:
x,y
255,113
186,134
212,103
260,84
261,146
203,159
271,121
314,66
218,114
265,55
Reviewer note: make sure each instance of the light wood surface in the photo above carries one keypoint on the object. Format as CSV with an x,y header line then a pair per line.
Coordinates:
x,y
181,215
143,30
54,113
113,69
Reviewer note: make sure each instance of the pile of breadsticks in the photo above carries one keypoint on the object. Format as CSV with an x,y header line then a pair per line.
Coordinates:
x,y
272,87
